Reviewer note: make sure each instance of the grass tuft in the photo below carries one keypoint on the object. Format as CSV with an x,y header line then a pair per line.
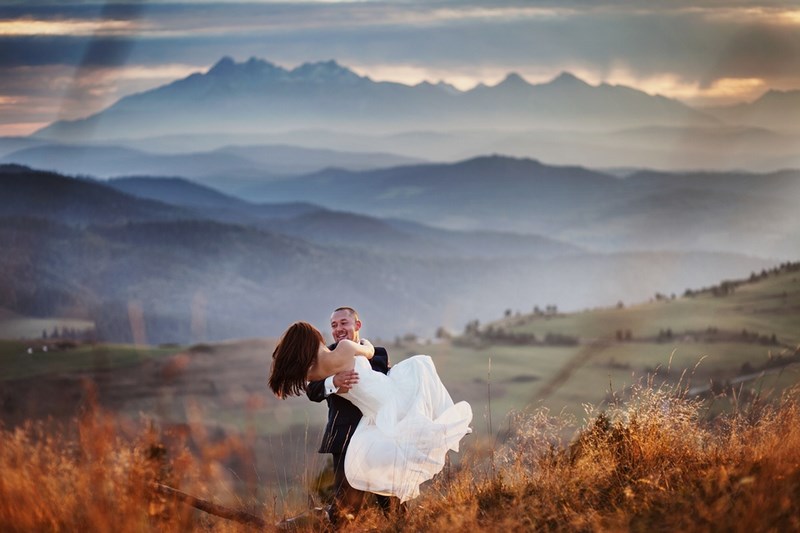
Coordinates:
x,y
653,462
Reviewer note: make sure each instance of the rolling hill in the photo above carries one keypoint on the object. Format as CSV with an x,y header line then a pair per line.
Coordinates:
x,y
719,211
94,253
243,164
207,202
492,192
328,227
736,334
13,144
47,195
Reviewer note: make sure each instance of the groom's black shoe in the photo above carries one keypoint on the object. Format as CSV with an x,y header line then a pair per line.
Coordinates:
x,y
385,503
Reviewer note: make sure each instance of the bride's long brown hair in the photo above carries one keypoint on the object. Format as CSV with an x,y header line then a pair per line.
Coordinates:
x,y
293,356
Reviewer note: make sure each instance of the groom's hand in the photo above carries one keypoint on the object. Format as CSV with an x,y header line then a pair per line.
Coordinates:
x,y
344,380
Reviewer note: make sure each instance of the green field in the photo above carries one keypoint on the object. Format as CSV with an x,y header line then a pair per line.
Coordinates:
x,y
25,359
752,328
707,341
767,306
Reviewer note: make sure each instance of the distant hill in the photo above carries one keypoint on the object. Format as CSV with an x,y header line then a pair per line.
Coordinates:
x,y
231,164
177,191
258,96
484,243
717,148
197,280
78,248
410,239
720,211
12,144
225,276
33,193
290,160
777,110
106,161
327,227
494,192
739,320
734,335
775,185
668,148
207,202
575,208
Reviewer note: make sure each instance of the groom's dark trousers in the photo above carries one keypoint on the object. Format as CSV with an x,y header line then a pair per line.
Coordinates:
x,y
343,417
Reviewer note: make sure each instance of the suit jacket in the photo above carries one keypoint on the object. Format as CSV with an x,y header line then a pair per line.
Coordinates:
x,y
343,416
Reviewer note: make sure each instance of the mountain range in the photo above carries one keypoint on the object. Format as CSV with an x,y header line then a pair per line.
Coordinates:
x,y
701,211
255,120
324,226
199,264
572,206
258,96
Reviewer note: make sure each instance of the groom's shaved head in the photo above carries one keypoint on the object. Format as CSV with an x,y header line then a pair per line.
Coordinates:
x,y
350,310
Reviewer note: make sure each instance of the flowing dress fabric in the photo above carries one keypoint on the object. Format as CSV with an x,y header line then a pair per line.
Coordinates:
x,y
409,424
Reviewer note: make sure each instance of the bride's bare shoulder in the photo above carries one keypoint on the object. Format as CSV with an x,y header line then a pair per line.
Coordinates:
x,y
346,345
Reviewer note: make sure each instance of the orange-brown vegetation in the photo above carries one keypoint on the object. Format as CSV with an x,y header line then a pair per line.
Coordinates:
x,y
102,474
655,462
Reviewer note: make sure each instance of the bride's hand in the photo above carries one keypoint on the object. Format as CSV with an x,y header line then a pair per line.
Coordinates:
x,y
368,345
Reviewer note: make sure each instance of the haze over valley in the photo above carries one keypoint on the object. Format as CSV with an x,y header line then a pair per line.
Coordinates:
x,y
203,265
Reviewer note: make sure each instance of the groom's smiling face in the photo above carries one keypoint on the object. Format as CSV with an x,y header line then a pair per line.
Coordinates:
x,y
344,326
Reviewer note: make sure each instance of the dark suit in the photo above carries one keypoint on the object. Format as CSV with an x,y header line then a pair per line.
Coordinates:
x,y
343,417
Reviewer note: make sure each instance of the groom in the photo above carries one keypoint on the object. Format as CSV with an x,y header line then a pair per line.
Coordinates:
x,y
343,416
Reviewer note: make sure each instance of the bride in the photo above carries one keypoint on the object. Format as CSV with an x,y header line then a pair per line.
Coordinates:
x,y
409,423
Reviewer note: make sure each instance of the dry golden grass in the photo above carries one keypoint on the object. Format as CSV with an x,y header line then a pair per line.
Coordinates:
x,y
654,463
91,476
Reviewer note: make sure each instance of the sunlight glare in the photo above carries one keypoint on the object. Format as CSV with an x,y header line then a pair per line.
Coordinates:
x,y
9,100
171,71
20,129
790,17
720,92
408,74
31,27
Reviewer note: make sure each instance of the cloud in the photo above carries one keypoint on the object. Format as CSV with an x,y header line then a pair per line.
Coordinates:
x,y
35,96
681,48
30,28
728,39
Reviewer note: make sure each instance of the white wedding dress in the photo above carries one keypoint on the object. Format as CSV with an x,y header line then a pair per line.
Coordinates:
x,y
409,424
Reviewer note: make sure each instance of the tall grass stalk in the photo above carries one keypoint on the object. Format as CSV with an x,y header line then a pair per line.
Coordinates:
x,y
654,461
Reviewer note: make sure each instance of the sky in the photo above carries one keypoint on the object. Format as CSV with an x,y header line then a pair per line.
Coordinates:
x,y
69,59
